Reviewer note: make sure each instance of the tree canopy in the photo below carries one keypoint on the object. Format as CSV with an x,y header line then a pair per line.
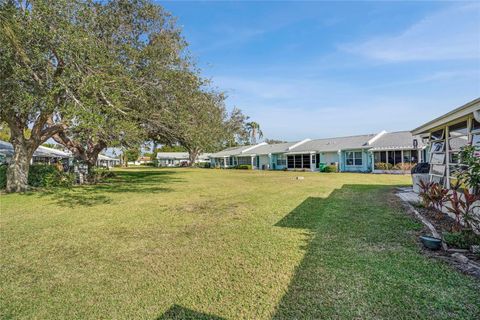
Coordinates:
x,y
98,74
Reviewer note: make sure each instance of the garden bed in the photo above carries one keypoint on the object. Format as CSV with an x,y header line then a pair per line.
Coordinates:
x,y
453,256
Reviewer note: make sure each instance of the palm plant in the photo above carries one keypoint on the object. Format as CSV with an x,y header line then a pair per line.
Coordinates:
x,y
254,130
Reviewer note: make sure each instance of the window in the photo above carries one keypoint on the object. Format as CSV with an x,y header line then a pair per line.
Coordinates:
x,y
437,158
397,156
281,160
407,156
291,162
475,125
298,161
244,160
476,140
457,139
306,161
354,158
438,170
437,135
458,136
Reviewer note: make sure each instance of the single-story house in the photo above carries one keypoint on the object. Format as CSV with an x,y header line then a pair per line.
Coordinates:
x,y
231,157
396,149
50,156
41,155
350,154
106,161
446,135
176,159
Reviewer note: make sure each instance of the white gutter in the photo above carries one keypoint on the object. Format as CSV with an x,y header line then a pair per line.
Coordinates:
x,y
376,137
297,144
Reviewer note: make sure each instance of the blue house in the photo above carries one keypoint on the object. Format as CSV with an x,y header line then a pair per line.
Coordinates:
x,y
361,153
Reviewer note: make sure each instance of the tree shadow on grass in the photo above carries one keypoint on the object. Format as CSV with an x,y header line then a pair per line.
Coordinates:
x,y
177,312
147,182
355,259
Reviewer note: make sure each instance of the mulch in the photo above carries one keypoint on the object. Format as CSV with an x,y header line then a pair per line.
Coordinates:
x,y
444,223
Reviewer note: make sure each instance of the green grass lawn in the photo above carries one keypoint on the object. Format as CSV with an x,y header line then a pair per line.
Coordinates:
x,y
223,244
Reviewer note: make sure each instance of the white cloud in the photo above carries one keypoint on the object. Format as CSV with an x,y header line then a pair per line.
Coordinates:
x,y
449,34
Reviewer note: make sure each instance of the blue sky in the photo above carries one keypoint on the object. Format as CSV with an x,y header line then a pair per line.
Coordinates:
x,y
322,69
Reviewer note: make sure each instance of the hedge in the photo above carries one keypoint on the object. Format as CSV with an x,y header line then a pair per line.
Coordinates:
x,y
330,168
42,175
244,167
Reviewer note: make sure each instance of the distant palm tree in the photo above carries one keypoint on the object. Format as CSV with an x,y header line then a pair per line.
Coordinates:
x,y
254,130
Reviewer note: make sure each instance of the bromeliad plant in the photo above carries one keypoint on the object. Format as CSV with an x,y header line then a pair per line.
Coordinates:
x,y
433,195
438,196
425,192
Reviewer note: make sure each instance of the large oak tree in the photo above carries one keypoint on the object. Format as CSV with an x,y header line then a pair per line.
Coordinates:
x,y
75,70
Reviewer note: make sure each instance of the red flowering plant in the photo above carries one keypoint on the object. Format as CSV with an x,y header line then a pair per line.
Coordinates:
x,y
462,204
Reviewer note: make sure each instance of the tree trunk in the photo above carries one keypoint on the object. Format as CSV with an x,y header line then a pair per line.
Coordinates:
x,y
91,161
192,156
91,177
17,172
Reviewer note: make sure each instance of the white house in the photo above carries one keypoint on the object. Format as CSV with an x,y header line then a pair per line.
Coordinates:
x,y
176,159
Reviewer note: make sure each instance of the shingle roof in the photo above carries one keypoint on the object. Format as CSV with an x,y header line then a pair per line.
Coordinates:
x,y
231,151
396,140
180,155
271,148
334,144
104,157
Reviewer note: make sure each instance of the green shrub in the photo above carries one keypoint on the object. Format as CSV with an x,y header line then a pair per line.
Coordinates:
x,y
100,174
3,176
330,168
462,240
383,166
44,175
404,166
244,167
203,165
149,164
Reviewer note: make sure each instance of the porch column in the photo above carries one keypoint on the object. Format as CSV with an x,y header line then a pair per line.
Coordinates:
x,y
401,154
373,161
312,162
252,161
224,162
270,163
340,161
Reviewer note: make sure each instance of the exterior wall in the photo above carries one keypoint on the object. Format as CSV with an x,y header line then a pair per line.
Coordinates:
x,y
274,165
264,162
170,162
328,157
366,162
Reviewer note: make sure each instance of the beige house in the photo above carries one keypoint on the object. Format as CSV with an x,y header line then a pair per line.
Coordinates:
x,y
446,135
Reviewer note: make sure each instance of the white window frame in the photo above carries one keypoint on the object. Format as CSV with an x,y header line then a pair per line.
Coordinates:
x,y
354,159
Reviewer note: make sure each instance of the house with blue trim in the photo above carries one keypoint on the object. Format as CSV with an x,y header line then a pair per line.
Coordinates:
x,y
360,153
